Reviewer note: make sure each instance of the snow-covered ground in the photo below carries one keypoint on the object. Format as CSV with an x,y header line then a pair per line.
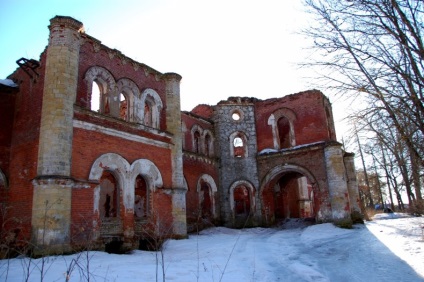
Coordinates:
x,y
389,248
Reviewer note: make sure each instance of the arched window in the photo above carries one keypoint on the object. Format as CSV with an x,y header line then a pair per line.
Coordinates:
x,y
239,145
208,146
147,114
141,198
282,123
151,103
109,196
123,107
100,86
95,97
196,142
283,126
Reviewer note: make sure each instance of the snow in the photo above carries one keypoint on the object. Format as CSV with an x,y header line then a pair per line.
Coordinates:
x,y
267,151
389,248
8,82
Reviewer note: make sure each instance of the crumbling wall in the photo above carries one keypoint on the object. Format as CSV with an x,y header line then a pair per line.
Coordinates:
x,y
310,122
197,164
20,159
307,161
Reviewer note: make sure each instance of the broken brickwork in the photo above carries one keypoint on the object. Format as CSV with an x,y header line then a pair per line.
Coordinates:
x,y
95,149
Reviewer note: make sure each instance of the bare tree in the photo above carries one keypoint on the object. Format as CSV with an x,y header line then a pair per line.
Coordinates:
x,y
372,51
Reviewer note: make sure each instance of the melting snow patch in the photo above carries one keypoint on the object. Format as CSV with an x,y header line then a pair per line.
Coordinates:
x,y
267,151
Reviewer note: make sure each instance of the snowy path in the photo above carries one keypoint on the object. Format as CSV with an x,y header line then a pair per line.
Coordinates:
x,y
381,250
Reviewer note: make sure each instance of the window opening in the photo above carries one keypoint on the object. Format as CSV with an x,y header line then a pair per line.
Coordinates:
x,y
95,97
284,132
148,118
236,116
141,198
197,142
239,149
109,196
123,107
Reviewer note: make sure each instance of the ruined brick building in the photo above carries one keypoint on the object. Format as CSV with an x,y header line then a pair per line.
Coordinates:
x,y
94,147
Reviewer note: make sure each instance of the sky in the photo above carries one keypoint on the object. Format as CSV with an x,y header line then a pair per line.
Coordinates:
x,y
389,248
220,48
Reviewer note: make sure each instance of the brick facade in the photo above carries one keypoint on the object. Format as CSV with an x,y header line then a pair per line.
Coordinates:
x,y
94,149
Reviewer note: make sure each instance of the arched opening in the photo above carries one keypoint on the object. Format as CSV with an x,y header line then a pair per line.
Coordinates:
x,y
289,195
148,119
205,201
95,97
151,111
123,107
109,196
239,150
283,126
141,198
241,201
196,144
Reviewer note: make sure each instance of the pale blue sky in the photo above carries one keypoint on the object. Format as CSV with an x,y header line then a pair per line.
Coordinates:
x,y
220,48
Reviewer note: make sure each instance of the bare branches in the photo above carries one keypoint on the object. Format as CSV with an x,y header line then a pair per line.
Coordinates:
x,y
371,52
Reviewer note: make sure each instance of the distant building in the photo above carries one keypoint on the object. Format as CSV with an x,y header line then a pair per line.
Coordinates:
x,y
94,149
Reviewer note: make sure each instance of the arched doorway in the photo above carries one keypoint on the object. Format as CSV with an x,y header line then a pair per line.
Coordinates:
x,y
292,197
288,192
206,191
205,201
109,196
141,199
241,201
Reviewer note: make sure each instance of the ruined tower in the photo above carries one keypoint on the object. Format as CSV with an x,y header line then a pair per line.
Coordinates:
x,y
236,133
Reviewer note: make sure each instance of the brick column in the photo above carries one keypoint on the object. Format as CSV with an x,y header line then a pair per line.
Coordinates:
x,y
173,125
51,211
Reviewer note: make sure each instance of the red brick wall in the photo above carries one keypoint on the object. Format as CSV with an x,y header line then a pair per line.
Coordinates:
x,y
203,110
118,69
190,121
7,109
194,167
310,125
89,145
24,147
